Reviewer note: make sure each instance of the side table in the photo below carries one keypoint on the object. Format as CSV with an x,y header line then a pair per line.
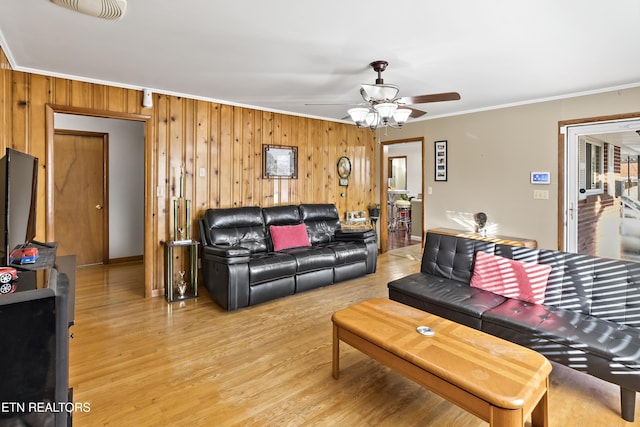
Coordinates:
x,y
192,290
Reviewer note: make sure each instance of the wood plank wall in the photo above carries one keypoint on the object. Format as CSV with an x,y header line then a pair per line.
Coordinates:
x,y
224,140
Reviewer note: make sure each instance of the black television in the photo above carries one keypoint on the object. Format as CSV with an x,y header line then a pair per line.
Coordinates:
x,y
18,196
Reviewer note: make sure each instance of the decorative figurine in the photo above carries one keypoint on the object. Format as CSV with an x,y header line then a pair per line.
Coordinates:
x,y
182,284
481,223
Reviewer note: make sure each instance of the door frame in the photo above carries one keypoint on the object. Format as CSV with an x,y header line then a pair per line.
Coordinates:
x,y
564,192
384,195
149,258
105,184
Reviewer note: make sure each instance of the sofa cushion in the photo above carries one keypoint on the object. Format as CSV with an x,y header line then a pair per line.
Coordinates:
x,y
279,215
312,258
236,227
514,279
567,328
451,257
289,236
322,221
267,266
347,252
444,297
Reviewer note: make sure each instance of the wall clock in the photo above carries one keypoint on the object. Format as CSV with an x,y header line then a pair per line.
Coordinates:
x,y
344,170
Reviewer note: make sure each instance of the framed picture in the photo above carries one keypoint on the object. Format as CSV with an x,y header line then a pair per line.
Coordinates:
x,y
440,160
279,161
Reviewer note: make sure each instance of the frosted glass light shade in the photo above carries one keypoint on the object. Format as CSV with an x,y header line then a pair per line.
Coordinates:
x,y
358,115
379,92
386,110
401,115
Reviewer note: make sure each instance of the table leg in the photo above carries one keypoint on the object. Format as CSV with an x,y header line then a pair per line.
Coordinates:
x,y
500,417
540,414
336,353
169,272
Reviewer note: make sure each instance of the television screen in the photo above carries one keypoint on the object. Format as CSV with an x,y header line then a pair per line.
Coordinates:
x,y
18,184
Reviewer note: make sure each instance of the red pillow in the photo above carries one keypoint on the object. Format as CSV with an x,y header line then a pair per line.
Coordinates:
x,y
525,281
289,236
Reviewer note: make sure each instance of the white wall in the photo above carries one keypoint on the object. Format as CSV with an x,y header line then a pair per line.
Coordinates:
x,y
414,164
491,155
126,179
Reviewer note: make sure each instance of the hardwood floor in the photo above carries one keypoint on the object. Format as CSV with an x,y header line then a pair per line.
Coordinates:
x,y
143,362
400,238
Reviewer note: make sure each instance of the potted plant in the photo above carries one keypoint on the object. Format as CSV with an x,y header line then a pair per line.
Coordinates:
x,y
374,210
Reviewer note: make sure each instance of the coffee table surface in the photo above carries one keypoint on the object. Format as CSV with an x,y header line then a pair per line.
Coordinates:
x,y
488,367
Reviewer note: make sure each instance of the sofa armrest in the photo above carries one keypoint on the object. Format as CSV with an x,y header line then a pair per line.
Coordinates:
x,y
225,274
226,254
368,238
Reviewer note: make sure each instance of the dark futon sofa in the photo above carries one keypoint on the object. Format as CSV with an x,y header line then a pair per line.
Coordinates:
x,y
589,319
251,255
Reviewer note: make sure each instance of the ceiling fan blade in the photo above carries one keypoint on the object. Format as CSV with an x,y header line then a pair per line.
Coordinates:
x,y
415,113
435,97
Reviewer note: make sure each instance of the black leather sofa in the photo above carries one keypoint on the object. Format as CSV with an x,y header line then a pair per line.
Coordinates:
x,y
589,321
240,267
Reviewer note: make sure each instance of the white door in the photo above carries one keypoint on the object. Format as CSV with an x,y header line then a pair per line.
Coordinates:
x,y
592,166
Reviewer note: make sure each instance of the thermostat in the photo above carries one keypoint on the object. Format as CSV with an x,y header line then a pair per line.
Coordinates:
x,y
541,177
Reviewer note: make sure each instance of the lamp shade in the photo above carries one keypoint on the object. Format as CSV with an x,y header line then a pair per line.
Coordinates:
x,y
401,115
372,120
386,110
358,115
378,93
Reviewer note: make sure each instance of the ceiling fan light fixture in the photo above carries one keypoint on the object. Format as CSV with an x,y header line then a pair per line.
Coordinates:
x,y
379,93
372,120
359,115
105,9
401,115
386,110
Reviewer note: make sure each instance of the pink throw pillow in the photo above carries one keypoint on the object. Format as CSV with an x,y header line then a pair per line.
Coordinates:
x,y
289,236
525,281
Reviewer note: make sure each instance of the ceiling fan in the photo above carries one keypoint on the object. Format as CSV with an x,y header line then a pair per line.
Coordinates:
x,y
385,107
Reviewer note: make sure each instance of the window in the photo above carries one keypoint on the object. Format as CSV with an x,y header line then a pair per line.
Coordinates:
x,y
592,168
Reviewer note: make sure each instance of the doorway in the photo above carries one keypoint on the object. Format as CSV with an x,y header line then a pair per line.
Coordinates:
x,y
81,214
141,164
601,209
401,165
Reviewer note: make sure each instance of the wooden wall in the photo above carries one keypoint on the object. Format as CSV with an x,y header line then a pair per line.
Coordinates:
x,y
224,140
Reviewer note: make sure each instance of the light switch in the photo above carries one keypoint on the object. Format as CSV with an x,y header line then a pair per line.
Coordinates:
x,y
202,172
541,194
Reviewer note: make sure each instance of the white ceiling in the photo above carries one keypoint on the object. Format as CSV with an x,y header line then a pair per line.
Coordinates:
x,y
280,55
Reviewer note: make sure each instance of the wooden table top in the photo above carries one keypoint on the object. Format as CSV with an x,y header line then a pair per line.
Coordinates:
x,y
488,367
495,238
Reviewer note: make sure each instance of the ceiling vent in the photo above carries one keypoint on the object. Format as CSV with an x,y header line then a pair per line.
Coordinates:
x,y
105,9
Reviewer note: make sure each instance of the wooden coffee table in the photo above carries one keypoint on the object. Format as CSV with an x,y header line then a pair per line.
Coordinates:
x,y
497,381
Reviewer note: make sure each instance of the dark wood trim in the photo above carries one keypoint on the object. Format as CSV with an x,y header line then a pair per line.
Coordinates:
x,y
561,161
80,111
